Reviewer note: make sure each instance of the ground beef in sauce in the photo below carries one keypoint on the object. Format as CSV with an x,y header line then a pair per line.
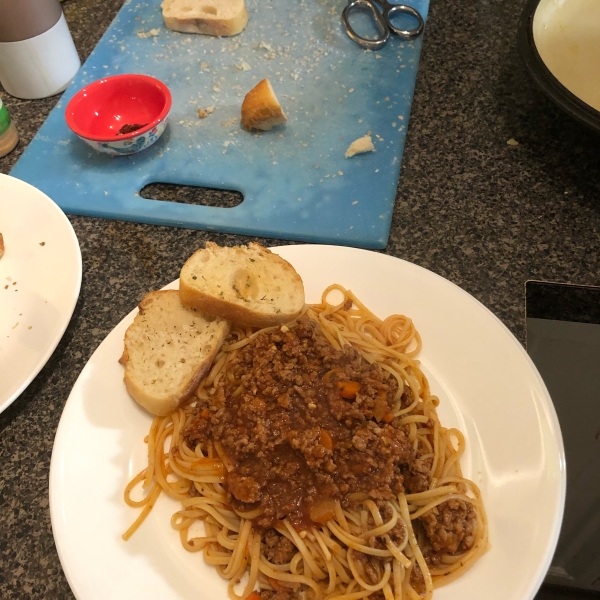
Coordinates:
x,y
450,526
417,581
291,435
366,567
276,548
281,595
293,439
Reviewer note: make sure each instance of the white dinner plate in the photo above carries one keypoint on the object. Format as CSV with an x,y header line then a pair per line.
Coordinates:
x,y
488,387
40,278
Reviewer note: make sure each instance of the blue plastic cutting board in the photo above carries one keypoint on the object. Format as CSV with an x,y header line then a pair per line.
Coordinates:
x,y
296,182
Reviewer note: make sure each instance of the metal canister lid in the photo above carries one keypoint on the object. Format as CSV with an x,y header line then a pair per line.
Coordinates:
x,y
23,19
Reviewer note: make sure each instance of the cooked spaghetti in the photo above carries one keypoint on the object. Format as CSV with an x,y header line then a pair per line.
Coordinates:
x,y
313,455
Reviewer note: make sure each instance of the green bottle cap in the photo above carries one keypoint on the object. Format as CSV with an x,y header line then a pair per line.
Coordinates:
x,y
4,119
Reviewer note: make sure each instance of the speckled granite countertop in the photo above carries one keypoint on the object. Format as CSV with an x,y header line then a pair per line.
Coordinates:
x,y
484,214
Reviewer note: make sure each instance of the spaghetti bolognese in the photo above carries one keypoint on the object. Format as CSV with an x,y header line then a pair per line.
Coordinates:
x,y
314,457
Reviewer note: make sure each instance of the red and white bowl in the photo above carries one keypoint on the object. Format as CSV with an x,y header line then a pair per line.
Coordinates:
x,y
104,113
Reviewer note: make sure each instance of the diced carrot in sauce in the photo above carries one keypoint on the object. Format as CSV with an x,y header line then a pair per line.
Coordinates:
x,y
348,389
205,414
326,439
253,596
322,511
388,417
381,409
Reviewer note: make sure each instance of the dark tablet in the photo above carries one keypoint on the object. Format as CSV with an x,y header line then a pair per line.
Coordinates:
x,y
563,340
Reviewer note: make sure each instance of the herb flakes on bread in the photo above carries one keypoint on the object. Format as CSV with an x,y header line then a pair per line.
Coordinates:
x,y
169,348
249,285
221,18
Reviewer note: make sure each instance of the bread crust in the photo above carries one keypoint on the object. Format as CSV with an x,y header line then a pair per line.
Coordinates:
x,y
147,397
1,246
261,109
192,294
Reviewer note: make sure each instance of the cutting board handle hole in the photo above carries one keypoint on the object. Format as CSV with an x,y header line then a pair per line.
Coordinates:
x,y
189,194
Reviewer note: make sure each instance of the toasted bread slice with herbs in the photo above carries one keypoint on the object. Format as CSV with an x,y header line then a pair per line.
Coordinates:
x,y
168,349
249,285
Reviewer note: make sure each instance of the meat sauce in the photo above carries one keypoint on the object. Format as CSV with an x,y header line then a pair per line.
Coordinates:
x,y
309,426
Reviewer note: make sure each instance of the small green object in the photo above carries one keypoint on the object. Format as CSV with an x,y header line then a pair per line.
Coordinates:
x,y
4,119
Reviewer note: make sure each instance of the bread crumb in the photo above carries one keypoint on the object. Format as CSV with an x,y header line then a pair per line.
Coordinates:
x,y
243,66
204,112
359,146
229,122
264,46
149,33
512,142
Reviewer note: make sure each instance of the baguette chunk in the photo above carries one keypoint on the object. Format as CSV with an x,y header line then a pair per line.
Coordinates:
x,y
210,17
248,285
168,349
261,109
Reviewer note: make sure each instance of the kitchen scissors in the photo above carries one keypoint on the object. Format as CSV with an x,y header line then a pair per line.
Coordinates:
x,y
382,12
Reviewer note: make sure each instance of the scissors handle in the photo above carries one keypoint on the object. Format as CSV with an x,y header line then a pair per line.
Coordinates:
x,y
389,10
382,20
380,23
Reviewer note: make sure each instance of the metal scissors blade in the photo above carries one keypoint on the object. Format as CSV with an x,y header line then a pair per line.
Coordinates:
x,y
382,18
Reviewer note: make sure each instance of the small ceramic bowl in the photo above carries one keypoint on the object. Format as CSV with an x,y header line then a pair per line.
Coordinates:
x,y
559,41
120,115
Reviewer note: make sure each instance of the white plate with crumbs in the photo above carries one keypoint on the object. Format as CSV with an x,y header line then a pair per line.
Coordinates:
x,y
40,278
488,387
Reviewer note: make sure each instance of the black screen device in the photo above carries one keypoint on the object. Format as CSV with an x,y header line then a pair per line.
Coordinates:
x,y
563,340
